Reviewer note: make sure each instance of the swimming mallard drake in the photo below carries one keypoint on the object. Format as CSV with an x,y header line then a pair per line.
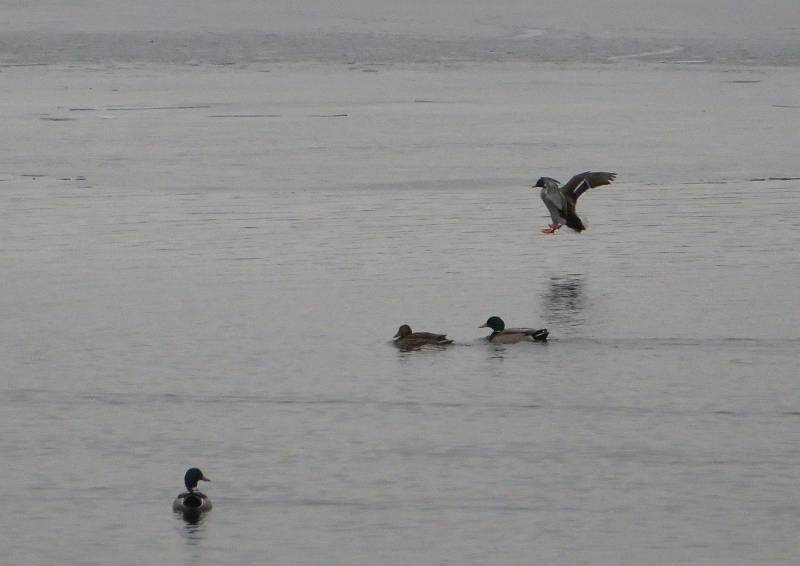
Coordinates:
x,y
410,340
192,502
561,199
502,335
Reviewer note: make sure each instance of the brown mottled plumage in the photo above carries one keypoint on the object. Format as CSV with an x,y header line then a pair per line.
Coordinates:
x,y
410,340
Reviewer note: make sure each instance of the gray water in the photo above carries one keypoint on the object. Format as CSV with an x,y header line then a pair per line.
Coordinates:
x,y
203,265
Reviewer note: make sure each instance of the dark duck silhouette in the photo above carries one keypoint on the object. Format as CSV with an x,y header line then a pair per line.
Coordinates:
x,y
410,340
561,199
192,501
502,335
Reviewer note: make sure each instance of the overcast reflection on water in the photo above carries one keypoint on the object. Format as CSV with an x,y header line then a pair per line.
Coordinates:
x,y
564,302
193,527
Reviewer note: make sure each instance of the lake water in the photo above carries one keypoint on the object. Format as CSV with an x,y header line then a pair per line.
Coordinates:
x,y
204,264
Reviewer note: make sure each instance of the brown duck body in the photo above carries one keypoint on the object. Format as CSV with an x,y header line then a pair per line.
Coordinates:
x,y
405,338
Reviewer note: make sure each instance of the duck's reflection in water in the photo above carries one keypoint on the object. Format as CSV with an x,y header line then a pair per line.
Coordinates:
x,y
564,301
193,528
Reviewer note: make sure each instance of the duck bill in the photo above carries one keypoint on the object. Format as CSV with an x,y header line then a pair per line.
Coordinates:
x,y
483,326
205,479
396,336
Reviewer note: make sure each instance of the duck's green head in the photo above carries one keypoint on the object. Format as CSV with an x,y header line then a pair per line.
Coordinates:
x,y
495,323
403,331
193,475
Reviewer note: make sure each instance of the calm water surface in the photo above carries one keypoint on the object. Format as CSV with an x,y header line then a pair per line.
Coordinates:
x,y
204,267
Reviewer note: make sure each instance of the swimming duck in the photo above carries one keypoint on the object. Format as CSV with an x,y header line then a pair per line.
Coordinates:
x,y
561,199
410,340
192,502
502,335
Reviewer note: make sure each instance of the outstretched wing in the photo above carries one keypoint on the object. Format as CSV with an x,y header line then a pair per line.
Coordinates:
x,y
582,182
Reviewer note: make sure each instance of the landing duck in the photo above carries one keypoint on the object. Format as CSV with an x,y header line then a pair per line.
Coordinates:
x,y
192,501
502,335
562,199
409,340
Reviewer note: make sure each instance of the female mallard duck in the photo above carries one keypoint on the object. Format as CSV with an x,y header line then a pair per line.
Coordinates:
x,y
410,340
502,335
561,200
192,501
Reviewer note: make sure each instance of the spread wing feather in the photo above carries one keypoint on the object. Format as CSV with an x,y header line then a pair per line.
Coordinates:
x,y
582,182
